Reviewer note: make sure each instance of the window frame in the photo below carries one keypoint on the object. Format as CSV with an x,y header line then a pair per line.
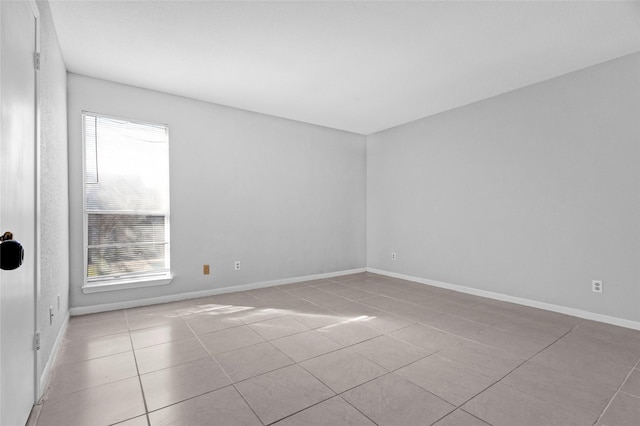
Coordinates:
x,y
131,280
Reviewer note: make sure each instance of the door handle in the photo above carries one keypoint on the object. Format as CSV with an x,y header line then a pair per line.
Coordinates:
x,y
11,252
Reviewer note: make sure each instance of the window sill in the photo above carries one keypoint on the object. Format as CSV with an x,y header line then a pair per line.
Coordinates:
x,y
126,284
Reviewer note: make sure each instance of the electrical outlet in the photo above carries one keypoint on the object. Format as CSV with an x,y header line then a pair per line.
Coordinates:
x,y
393,256
236,265
596,286
205,269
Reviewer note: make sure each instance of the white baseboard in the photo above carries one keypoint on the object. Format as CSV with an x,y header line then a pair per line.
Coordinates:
x,y
46,371
518,300
83,310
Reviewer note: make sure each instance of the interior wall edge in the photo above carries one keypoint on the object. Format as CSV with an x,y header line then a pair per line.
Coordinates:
x,y
92,309
48,367
622,322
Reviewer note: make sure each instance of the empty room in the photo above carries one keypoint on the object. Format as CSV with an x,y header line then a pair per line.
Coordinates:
x,y
302,213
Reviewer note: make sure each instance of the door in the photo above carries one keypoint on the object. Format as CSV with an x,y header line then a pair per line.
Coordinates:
x,y
17,208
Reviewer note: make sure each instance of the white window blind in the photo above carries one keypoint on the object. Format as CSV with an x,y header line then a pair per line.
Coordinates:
x,y
126,188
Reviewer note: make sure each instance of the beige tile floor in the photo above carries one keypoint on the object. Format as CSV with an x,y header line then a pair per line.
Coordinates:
x,y
356,350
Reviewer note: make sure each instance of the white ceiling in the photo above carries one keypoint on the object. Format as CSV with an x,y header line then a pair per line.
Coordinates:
x,y
356,66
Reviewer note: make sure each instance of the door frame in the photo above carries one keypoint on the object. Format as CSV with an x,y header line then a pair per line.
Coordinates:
x,y
37,213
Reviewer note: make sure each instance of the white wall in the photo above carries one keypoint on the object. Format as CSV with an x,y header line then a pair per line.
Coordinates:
x,y
285,198
54,195
532,193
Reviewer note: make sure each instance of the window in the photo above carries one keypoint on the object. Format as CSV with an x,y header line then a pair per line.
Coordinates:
x,y
126,203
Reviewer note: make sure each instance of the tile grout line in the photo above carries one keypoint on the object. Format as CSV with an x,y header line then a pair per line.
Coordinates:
x,y
392,372
356,408
474,416
135,360
604,410
303,409
298,364
265,341
196,336
436,353
227,375
420,321
350,346
511,371
336,395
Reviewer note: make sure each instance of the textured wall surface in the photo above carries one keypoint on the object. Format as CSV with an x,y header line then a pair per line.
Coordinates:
x,y
287,199
54,199
533,193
